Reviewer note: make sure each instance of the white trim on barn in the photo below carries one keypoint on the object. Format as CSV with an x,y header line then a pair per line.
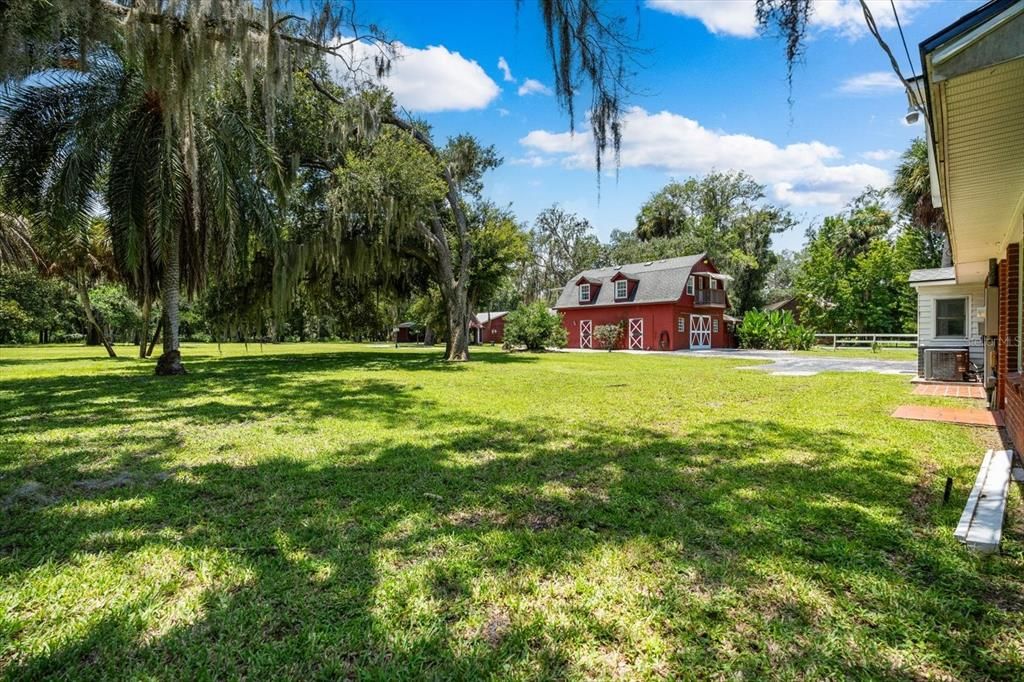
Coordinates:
x,y
586,333
700,332
636,333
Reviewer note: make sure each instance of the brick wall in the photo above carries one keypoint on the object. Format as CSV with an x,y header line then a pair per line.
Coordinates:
x,y
1010,387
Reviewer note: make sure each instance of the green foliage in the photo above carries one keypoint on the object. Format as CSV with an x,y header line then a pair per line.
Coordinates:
x,y
535,327
116,311
853,273
14,321
37,308
627,247
561,245
427,309
724,215
609,335
498,244
913,189
781,281
775,330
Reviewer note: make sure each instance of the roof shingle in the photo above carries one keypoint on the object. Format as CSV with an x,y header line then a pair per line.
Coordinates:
x,y
658,281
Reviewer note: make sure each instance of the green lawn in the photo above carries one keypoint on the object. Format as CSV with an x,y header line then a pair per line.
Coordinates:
x,y
327,511
885,353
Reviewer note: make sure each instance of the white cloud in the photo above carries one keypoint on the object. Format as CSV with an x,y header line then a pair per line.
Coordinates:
x,y
738,18
881,154
433,78
503,112
801,174
871,83
533,87
506,72
847,17
730,18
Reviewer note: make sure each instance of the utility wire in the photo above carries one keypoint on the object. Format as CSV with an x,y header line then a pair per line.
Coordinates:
x,y
910,61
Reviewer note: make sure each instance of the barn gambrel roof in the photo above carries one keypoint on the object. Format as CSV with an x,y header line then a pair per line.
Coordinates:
x,y
660,281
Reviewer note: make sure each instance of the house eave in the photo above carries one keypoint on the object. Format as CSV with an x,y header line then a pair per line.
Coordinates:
x,y
973,76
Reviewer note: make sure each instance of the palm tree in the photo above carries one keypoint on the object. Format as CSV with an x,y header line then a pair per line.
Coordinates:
x,y
912,186
82,259
185,192
16,249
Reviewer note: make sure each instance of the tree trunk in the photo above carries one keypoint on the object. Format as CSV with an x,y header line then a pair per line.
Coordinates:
x,y
147,309
156,336
947,255
169,363
457,347
83,297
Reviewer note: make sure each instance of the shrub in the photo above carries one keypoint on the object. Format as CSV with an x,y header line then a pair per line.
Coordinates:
x,y
608,335
776,330
535,327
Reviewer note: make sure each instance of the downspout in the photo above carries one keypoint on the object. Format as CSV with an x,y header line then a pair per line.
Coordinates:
x,y
991,336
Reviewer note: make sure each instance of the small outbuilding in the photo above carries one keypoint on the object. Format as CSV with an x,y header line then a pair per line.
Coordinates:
x,y
490,329
669,304
786,304
409,332
950,315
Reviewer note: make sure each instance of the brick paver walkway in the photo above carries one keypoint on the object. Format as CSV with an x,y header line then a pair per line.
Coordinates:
x,y
951,390
954,415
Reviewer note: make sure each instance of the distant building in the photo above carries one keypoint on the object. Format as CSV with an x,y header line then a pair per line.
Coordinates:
x,y
670,304
786,304
408,332
491,327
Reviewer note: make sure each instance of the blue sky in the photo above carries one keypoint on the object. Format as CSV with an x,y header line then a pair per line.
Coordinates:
x,y
712,95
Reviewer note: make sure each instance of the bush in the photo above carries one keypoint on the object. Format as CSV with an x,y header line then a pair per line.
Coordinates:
x,y
535,327
776,330
608,335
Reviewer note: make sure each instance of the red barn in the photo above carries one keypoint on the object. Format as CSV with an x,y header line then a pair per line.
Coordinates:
x,y
491,327
668,304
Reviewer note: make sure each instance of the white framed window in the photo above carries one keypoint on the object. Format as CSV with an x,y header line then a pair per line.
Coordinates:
x,y
681,324
714,284
951,318
621,289
689,285
714,324
584,293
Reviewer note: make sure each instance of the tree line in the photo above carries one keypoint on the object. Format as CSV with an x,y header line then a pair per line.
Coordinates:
x,y
850,276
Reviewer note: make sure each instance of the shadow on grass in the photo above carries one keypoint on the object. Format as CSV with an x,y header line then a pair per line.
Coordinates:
x,y
405,560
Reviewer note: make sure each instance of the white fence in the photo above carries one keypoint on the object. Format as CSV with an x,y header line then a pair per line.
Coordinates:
x,y
866,340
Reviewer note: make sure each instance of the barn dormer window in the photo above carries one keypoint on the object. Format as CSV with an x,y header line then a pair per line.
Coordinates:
x,y
621,289
584,293
689,285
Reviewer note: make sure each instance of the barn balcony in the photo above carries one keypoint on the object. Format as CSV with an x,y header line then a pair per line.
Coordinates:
x,y
709,298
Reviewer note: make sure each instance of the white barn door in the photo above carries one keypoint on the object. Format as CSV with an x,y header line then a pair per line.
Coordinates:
x,y
586,333
636,333
700,331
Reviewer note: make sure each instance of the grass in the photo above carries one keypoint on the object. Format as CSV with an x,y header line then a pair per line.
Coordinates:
x,y
884,353
327,511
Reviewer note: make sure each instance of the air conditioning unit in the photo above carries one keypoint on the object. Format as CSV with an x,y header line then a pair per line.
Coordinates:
x,y
945,364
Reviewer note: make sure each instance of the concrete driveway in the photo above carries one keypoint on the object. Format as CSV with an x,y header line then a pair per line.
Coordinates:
x,y
786,363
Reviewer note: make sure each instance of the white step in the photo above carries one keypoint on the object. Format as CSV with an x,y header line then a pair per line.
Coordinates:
x,y
981,524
